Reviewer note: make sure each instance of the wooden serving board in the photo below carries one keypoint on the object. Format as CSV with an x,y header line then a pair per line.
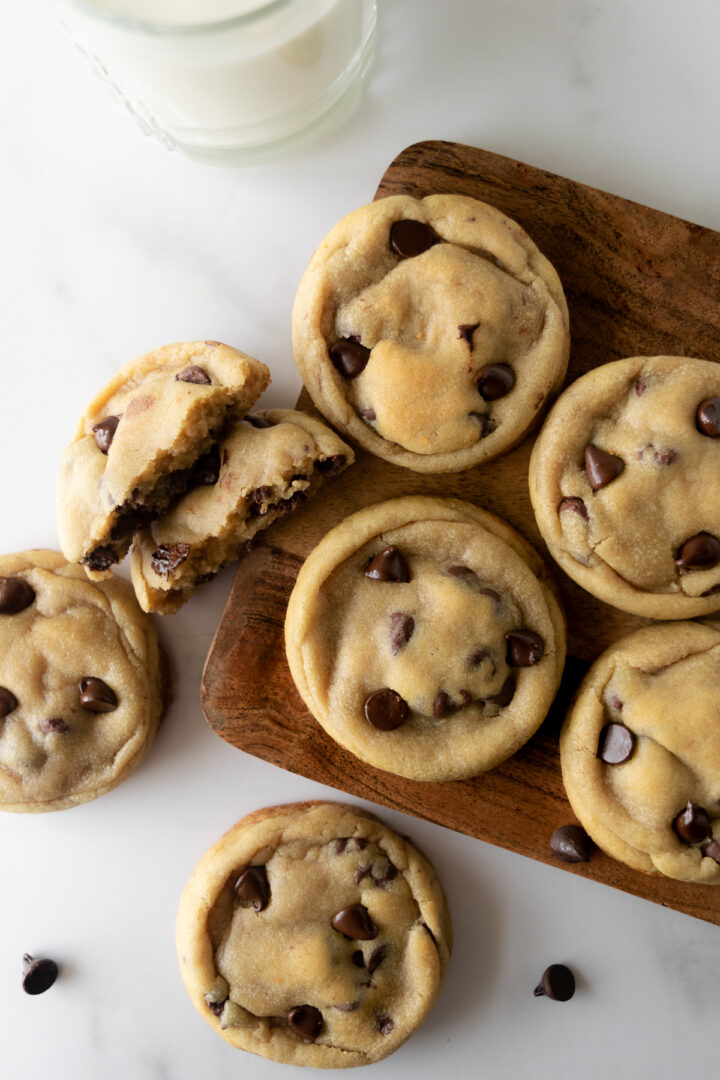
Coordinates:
x,y
638,282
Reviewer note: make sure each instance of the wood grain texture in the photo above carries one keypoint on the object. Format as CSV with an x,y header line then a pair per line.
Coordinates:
x,y
638,282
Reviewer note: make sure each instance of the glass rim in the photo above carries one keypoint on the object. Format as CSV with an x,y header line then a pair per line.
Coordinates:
x,y
149,26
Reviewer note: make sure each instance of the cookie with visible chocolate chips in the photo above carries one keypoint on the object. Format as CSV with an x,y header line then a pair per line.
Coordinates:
x,y
425,637
313,935
146,438
622,481
271,463
640,751
80,684
431,331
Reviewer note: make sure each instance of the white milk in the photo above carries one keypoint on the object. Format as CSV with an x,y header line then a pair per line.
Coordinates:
x,y
227,79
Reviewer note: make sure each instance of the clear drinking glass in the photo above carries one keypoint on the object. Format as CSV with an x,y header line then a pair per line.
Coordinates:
x,y
228,81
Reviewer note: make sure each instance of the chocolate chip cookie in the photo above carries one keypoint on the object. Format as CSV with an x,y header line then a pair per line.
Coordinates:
x,y
640,751
425,637
269,464
311,934
80,684
622,478
431,331
144,440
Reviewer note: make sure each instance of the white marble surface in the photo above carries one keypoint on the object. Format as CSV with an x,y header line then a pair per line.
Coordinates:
x,y
110,246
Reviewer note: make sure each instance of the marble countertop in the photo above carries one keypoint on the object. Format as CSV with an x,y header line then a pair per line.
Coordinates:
x,y
110,246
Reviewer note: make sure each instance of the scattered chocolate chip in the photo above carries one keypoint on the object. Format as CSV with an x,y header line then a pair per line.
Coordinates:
x,y
664,457
38,975
260,495
350,843
443,706
306,1020
102,558
385,1025
601,468
8,701
128,521
557,983
15,595
712,850
477,656
700,552
570,843
354,922
215,1007
358,959
494,381
409,238
377,956
331,466
487,424
54,725
466,331
206,470
504,695
349,357
105,432
616,744
616,703
166,559
640,387
253,886
572,502
388,565
257,421
462,572
386,710
707,417
360,874
402,626
692,824
96,696
383,872
193,374
368,414
525,648
347,1006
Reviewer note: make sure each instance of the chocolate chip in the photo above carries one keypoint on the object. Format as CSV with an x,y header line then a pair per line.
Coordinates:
x,y
386,710
601,467
700,552
96,696
377,956
525,648
572,502
215,1007
368,414
692,824
257,421
206,470
105,432
166,559
354,922
570,843
487,425
15,595
102,558
616,744
443,706
38,975
8,701
306,1020
557,983
358,959
388,565
478,655
260,495
494,381
409,238
360,874
253,887
665,457
402,626
640,387
617,703
463,572
347,1006
707,417
350,843
712,850
331,466
193,374
466,331
349,357
384,1024
54,725
128,521
504,695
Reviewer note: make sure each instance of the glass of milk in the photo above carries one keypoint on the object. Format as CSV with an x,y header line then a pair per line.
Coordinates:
x,y
228,81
